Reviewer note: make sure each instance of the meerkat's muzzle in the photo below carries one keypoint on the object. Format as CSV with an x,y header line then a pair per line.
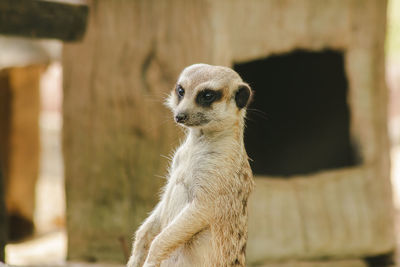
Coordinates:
x,y
189,119
181,117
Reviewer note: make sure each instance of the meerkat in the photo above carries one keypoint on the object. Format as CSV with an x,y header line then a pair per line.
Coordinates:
x,y
201,219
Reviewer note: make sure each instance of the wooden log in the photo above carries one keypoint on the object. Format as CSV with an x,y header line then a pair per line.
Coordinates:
x,y
20,144
43,19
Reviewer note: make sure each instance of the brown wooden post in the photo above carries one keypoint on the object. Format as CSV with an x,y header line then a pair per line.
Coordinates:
x,y
20,145
19,100
3,219
5,100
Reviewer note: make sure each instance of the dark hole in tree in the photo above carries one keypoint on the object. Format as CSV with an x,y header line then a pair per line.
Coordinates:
x,y
298,122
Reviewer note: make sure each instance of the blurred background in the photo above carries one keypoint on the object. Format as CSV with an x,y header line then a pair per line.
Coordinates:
x,y
85,138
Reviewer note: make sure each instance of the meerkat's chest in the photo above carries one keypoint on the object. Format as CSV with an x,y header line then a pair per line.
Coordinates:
x,y
179,189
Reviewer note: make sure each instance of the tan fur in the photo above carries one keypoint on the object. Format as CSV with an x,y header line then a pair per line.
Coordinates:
x,y
201,219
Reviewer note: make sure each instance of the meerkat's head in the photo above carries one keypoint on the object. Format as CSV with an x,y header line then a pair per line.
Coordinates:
x,y
207,96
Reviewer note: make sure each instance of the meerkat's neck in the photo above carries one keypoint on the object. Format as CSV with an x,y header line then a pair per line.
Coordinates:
x,y
232,134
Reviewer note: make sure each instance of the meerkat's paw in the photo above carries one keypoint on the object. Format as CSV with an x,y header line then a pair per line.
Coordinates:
x,y
150,264
133,262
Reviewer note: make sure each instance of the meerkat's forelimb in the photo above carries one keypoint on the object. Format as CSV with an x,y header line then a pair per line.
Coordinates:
x,y
146,233
191,220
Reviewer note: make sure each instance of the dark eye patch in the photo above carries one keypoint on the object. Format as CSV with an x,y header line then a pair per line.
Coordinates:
x,y
180,92
206,97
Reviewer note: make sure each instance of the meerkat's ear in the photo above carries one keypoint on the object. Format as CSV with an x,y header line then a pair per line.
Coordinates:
x,y
242,95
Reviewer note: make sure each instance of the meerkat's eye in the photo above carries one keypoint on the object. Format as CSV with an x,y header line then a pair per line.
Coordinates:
x,y
180,91
209,96
206,97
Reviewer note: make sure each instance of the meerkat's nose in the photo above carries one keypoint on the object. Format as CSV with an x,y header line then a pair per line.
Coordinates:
x,y
181,117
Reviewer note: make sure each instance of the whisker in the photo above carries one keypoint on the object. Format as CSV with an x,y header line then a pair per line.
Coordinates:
x,y
258,113
166,157
160,176
251,121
